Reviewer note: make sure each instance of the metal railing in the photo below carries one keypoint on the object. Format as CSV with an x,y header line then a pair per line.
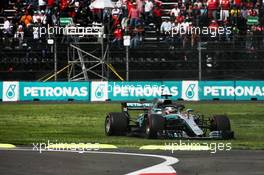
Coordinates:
x,y
225,60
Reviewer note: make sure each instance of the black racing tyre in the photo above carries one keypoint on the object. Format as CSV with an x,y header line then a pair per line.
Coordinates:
x,y
154,124
116,123
220,123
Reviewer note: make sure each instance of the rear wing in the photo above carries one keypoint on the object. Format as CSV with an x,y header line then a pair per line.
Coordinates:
x,y
136,106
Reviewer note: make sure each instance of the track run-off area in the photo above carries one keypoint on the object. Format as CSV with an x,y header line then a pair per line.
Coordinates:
x,y
22,160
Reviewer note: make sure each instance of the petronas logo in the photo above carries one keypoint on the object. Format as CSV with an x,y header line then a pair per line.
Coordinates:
x,y
10,93
99,92
190,91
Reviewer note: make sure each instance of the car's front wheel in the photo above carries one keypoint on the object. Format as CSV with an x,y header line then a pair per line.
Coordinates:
x,y
222,123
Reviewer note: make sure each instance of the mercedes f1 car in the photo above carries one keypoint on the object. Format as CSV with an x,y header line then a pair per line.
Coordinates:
x,y
164,118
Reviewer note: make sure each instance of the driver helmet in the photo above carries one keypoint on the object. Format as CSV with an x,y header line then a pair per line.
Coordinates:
x,y
170,110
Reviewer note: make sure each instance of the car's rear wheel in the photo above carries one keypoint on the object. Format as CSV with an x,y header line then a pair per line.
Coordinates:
x,y
116,123
154,124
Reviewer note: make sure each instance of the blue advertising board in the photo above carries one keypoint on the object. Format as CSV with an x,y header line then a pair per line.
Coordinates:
x,y
54,91
211,90
173,88
248,90
134,90
1,90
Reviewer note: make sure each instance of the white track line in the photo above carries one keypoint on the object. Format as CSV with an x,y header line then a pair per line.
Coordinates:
x,y
159,169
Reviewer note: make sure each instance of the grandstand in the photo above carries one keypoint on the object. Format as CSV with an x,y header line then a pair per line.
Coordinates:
x,y
154,54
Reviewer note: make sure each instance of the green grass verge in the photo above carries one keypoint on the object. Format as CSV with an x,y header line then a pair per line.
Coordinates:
x,y
84,123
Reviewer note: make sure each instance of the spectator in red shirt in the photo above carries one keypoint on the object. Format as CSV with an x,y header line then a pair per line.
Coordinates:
x,y
51,3
63,4
180,18
213,26
134,15
157,19
116,16
158,3
237,3
129,6
118,35
212,8
225,6
157,11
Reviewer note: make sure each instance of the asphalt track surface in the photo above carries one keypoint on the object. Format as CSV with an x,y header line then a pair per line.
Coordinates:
x,y
70,163
222,163
191,163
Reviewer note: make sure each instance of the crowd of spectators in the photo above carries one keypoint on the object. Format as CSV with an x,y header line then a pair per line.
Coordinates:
x,y
136,17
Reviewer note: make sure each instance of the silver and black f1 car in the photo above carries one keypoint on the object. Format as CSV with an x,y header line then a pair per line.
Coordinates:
x,y
163,118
